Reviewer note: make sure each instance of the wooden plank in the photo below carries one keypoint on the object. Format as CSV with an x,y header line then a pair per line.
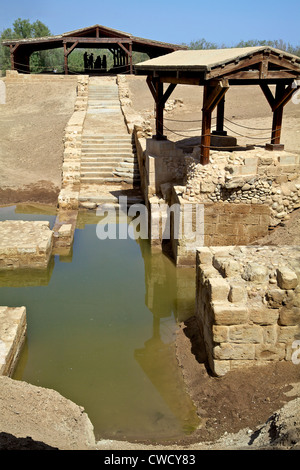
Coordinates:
x,y
180,80
233,67
98,40
263,69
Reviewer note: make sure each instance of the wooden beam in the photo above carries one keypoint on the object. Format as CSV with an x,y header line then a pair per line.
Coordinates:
x,y
168,93
71,48
151,87
97,40
263,69
215,95
268,94
124,48
284,98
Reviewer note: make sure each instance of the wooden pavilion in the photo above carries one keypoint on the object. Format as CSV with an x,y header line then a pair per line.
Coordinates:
x,y
216,70
121,44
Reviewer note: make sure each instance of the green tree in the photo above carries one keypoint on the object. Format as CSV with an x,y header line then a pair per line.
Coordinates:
x,y
23,29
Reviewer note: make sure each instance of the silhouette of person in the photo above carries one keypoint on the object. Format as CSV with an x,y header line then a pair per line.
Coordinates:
x,y
91,61
98,62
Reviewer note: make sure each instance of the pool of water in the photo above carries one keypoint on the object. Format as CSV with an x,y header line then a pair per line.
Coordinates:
x,y
101,331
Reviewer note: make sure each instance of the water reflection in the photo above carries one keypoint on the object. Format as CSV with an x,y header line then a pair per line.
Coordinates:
x,y
101,331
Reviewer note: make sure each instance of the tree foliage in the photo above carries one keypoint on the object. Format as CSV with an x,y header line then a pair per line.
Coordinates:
x,y
277,44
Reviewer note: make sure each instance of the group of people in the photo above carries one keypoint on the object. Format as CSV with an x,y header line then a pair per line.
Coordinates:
x,y
90,64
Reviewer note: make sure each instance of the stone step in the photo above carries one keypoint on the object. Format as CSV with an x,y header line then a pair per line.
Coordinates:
x,y
109,199
109,149
106,139
115,179
116,144
99,153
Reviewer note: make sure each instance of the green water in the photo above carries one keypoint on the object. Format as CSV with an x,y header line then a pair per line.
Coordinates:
x,y
101,330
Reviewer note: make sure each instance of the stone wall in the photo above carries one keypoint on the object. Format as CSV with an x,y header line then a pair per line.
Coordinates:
x,y
69,194
248,304
25,244
255,176
13,328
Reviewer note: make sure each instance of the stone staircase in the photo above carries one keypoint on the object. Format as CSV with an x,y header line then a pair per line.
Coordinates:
x,y
109,159
109,162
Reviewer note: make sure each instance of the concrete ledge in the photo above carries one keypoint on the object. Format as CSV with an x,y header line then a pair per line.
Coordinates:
x,y
25,244
13,328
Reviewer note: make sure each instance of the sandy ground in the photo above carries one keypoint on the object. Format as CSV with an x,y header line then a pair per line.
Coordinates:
x,y
32,124
31,148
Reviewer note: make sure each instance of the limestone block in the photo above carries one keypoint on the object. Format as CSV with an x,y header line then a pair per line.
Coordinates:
x,y
289,316
270,352
245,334
264,316
220,368
25,244
286,278
204,256
65,231
276,297
256,273
220,334
237,293
287,334
229,314
12,335
218,289
226,351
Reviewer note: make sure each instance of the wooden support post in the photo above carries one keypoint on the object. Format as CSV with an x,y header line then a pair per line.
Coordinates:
x,y
66,59
157,90
213,94
130,58
277,116
12,57
220,118
282,96
206,128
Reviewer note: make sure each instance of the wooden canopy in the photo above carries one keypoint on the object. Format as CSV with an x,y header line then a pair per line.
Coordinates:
x,y
121,44
216,70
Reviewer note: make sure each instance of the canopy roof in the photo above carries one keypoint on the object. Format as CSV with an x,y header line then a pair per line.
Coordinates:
x,y
92,35
216,63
